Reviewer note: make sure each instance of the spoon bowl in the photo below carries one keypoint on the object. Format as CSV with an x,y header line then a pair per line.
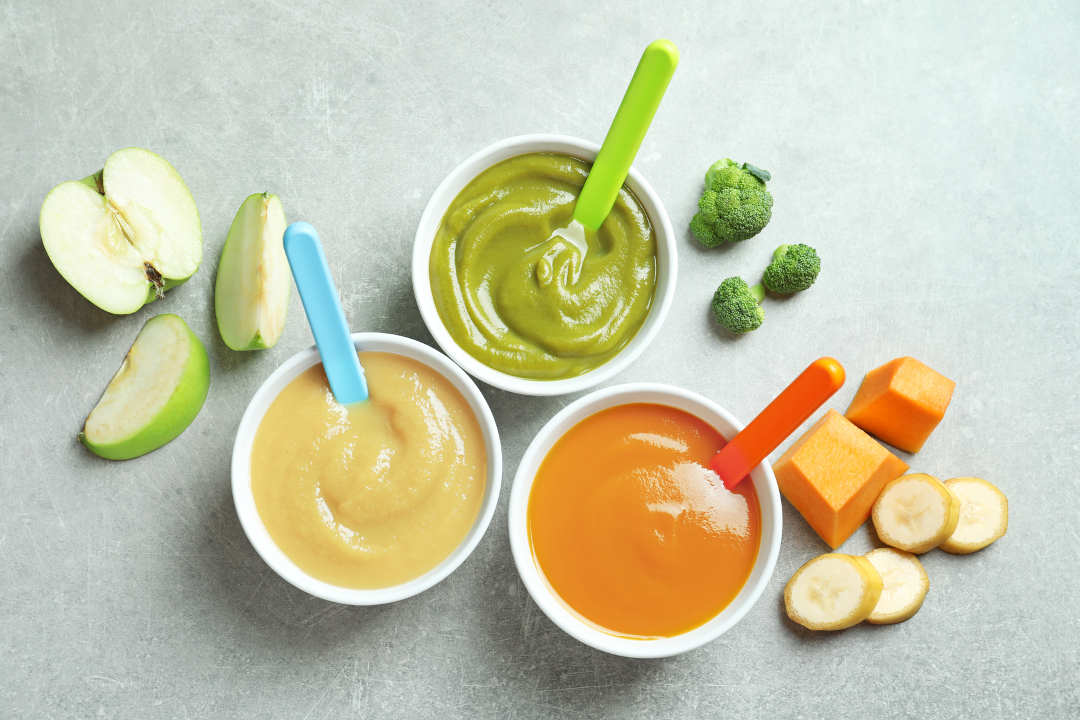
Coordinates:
x,y
540,589
244,498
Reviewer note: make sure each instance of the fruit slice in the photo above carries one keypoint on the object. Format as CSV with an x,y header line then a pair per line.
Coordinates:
x,y
124,235
906,585
984,515
154,396
832,592
915,513
251,295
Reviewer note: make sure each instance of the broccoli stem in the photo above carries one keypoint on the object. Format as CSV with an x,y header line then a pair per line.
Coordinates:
x,y
780,252
715,168
758,291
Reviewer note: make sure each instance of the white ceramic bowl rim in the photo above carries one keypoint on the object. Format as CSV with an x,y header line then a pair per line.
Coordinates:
x,y
553,607
462,175
245,501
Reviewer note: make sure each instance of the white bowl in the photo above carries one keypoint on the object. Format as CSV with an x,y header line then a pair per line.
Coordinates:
x,y
245,501
455,182
553,607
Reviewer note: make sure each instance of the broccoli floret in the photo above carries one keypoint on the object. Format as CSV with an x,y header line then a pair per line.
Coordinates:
x,y
735,205
703,231
794,268
735,305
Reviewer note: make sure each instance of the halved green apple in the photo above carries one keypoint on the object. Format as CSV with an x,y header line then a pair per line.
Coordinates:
x,y
124,235
251,294
154,396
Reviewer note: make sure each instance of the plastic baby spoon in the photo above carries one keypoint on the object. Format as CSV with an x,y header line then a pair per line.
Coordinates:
x,y
324,314
783,416
623,140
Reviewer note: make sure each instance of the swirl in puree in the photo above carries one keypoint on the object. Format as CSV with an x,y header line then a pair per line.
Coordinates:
x,y
376,495
528,305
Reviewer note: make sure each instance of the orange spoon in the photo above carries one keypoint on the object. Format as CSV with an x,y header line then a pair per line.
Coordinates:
x,y
776,422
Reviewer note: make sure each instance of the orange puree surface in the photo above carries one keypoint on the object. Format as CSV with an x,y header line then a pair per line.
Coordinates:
x,y
631,528
375,495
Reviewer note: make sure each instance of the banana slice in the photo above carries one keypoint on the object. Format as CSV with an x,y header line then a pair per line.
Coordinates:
x,y
906,585
984,515
832,592
916,513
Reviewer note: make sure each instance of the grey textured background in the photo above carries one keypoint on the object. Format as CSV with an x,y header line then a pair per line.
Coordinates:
x,y
928,150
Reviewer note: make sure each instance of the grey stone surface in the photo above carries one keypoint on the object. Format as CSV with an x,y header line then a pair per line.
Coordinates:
x,y
928,150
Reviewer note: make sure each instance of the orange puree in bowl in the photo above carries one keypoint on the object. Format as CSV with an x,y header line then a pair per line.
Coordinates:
x,y
633,531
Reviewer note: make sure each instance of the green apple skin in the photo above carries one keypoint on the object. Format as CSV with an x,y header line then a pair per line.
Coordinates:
x,y
178,412
96,182
243,275
257,343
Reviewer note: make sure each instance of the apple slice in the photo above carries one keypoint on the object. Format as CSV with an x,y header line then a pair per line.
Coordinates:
x,y
154,396
124,235
251,295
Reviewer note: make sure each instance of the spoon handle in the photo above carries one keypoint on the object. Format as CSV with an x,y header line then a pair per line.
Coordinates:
x,y
627,130
783,416
324,313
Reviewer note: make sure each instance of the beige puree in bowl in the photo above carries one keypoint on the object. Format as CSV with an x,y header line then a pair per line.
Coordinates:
x,y
374,496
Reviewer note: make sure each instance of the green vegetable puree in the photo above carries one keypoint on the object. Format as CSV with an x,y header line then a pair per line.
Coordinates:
x,y
528,305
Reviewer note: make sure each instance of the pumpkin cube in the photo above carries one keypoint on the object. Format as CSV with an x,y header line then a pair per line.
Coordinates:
x,y
901,402
833,474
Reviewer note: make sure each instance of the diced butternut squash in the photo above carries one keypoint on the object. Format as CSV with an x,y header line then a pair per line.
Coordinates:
x,y
833,474
901,402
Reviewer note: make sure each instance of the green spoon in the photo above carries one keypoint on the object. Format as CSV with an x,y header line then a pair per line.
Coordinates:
x,y
623,140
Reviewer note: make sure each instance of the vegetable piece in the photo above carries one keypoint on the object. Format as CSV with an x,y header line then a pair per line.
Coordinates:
x,y
832,592
984,515
901,402
735,305
833,474
794,268
915,513
905,585
735,205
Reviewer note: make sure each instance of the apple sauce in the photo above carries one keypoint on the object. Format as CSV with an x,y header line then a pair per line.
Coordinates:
x,y
375,495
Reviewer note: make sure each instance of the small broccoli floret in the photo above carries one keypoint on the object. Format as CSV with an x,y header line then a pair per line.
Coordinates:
x,y
735,205
793,269
703,232
735,305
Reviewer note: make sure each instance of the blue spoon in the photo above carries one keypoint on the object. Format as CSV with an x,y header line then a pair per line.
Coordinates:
x,y
324,314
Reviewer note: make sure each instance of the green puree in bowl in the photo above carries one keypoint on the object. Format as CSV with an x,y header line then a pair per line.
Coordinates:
x,y
529,306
